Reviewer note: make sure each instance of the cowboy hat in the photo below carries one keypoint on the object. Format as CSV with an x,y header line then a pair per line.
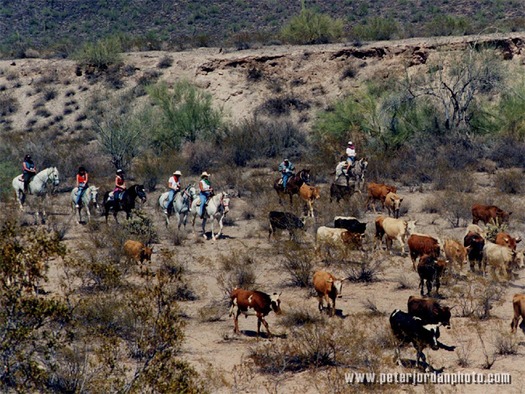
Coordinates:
x,y
177,173
204,174
349,142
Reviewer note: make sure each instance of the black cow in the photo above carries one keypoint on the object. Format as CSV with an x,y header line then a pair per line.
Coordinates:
x,y
475,243
351,224
429,311
284,221
410,329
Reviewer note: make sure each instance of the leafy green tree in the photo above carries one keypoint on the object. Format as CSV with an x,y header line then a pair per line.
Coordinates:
x,y
311,27
100,54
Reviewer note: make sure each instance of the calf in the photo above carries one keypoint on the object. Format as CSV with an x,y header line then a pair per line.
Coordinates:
x,y
284,221
137,251
421,244
455,253
429,311
351,224
410,329
309,194
474,243
328,287
518,303
250,302
393,203
378,191
506,239
489,214
430,269
501,259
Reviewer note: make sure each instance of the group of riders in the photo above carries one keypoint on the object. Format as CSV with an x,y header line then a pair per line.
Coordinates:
x,y
82,179
286,168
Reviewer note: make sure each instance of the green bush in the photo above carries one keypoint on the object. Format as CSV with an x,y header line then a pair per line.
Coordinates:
x,y
376,29
310,27
448,25
100,54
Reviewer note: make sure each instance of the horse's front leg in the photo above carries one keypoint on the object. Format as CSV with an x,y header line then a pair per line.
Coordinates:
x,y
216,236
204,228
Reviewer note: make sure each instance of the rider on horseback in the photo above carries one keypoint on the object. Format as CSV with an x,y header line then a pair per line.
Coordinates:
x,y
286,168
205,191
120,185
82,184
28,171
350,153
174,186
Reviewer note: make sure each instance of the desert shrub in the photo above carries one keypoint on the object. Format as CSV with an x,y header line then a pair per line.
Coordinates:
x,y
237,271
509,182
453,206
447,25
281,106
184,114
213,311
165,62
366,271
7,172
8,104
376,29
322,344
255,139
141,227
506,343
476,298
299,263
100,54
297,317
203,156
49,94
311,27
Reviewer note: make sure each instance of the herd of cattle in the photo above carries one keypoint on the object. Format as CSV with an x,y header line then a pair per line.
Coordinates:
x,y
430,259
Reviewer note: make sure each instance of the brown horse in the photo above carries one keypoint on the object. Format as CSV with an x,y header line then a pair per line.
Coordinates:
x,y
292,186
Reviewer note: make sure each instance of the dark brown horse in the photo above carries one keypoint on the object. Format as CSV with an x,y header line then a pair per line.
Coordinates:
x,y
292,186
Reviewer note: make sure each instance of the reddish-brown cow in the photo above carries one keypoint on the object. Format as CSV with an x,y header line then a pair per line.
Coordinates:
x,y
489,214
429,310
430,270
378,191
251,302
455,252
420,244
137,251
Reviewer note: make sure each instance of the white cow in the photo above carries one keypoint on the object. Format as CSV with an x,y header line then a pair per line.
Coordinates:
x,y
501,259
393,229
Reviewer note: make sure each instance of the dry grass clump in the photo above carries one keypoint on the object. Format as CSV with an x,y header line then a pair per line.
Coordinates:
x,y
329,342
8,104
300,316
476,297
298,262
453,206
237,270
367,270
510,181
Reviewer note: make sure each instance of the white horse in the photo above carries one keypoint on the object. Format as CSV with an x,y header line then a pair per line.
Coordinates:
x,y
216,208
38,186
181,205
88,200
357,173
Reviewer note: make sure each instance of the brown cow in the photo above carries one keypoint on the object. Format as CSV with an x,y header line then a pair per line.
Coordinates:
x,y
328,287
309,194
455,253
430,269
429,310
260,303
378,191
506,239
489,214
421,244
137,251
518,303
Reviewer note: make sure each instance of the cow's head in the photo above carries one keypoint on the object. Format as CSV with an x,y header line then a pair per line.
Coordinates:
x,y
442,314
276,303
145,253
518,259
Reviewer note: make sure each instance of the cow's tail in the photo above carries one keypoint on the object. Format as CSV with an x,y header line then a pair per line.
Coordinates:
x,y
233,307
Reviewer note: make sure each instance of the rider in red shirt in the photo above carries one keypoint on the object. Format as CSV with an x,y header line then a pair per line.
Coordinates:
x,y
82,184
120,184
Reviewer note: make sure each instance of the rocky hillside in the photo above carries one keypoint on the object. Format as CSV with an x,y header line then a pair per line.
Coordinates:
x,y
296,81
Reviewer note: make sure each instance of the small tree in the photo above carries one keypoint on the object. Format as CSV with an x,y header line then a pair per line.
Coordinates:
x,y
310,27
